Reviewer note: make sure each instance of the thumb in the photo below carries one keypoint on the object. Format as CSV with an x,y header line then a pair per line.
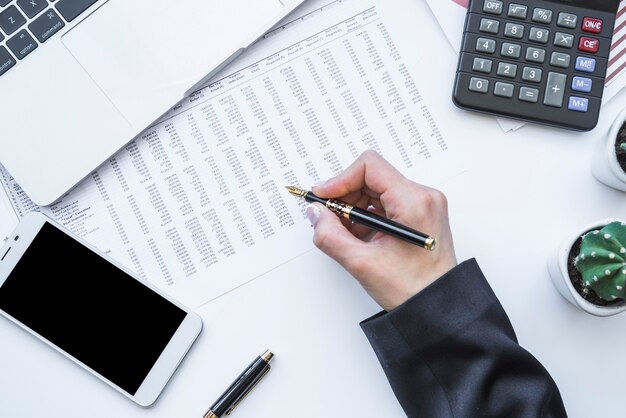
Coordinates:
x,y
331,237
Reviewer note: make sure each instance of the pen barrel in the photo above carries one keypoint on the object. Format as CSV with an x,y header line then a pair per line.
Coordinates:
x,y
311,198
240,387
371,220
392,228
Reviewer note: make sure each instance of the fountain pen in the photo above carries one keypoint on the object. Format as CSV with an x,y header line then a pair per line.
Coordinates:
x,y
241,387
368,219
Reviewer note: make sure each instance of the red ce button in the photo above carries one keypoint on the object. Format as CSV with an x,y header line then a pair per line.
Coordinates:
x,y
589,45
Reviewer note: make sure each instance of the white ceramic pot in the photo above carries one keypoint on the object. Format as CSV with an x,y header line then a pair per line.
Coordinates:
x,y
560,276
605,166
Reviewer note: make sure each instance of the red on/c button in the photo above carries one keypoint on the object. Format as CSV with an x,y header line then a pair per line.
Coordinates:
x,y
592,25
589,44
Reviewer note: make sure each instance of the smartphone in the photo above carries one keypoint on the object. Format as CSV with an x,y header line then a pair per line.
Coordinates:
x,y
94,311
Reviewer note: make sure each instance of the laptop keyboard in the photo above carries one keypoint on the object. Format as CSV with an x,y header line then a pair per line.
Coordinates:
x,y
26,24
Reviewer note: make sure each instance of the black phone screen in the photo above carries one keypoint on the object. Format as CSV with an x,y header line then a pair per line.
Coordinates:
x,y
89,308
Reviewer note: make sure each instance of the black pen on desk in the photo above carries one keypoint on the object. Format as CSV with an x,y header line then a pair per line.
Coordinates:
x,y
369,219
241,387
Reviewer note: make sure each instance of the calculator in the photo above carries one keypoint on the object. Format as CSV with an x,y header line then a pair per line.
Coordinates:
x,y
541,61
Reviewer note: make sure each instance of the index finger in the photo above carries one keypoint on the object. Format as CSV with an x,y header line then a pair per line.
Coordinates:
x,y
369,171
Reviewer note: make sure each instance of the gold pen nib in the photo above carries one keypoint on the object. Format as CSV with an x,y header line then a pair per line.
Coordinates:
x,y
296,191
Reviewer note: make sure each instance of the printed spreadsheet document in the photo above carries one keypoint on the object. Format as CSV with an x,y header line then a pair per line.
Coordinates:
x,y
197,205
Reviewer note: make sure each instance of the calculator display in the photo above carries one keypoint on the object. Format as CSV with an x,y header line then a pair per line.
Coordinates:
x,y
609,6
542,61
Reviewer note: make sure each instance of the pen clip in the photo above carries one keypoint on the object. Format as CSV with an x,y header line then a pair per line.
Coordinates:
x,y
232,408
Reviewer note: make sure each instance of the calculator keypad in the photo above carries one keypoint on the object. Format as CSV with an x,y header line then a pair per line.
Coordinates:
x,y
578,104
542,15
511,50
582,84
539,35
537,55
567,20
535,59
482,65
479,85
586,65
592,25
488,46
512,30
560,60
504,90
589,45
507,70
527,94
532,75
493,7
555,90
518,11
490,26
564,40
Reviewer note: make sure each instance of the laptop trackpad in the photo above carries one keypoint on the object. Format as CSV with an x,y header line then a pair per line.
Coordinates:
x,y
144,54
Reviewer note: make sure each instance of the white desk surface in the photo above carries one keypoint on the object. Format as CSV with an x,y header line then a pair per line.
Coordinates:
x,y
523,193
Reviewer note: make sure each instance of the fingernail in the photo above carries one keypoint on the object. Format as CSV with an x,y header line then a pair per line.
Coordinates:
x,y
313,213
320,183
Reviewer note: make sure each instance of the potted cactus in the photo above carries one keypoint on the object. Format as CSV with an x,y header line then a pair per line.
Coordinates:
x,y
609,162
590,269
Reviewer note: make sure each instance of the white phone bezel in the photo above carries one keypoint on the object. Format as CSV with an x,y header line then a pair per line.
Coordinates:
x,y
170,358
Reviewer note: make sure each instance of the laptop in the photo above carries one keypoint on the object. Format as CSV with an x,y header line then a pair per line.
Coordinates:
x,y
79,79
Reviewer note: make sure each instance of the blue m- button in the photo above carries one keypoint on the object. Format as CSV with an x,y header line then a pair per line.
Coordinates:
x,y
582,84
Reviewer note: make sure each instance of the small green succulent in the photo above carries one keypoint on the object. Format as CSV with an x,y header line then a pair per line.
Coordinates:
x,y
602,261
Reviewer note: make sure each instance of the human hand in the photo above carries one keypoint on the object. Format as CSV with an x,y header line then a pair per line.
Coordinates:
x,y
391,270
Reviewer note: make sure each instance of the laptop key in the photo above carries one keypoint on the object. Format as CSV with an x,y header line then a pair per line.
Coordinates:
x,y
32,7
4,2
70,9
22,44
46,25
11,20
6,60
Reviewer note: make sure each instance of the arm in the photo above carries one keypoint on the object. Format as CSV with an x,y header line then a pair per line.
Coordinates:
x,y
444,341
450,351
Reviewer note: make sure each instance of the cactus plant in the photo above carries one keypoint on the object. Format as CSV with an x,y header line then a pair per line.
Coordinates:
x,y
620,149
602,261
620,141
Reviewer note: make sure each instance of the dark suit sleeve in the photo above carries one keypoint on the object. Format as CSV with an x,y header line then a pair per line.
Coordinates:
x,y
451,351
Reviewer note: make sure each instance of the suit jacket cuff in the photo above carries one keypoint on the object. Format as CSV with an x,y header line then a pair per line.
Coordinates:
x,y
457,299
